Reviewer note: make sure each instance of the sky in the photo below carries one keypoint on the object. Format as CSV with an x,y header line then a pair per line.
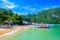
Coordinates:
x,y
29,6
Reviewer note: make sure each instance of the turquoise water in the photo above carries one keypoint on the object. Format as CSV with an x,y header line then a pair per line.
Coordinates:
x,y
40,34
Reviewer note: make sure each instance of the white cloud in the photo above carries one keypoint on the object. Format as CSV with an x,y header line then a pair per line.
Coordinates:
x,y
8,4
47,8
4,0
54,6
30,9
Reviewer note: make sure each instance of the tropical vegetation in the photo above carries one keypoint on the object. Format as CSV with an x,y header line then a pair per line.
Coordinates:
x,y
51,16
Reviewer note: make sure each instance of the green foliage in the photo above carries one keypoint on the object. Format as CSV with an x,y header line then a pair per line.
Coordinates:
x,y
7,14
17,19
51,16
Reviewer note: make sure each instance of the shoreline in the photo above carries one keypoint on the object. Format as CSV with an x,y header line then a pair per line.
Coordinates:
x,y
10,33
15,32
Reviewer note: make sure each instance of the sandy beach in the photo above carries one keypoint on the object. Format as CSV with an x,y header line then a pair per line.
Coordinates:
x,y
5,33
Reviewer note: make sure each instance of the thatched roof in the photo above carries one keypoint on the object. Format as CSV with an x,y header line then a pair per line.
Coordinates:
x,y
8,22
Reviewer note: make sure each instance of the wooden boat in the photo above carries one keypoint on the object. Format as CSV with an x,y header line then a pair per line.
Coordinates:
x,y
43,26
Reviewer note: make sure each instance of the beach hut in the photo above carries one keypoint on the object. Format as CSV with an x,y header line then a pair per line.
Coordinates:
x,y
26,22
7,24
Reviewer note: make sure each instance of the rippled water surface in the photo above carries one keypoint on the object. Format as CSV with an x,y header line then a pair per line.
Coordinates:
x,y
40,34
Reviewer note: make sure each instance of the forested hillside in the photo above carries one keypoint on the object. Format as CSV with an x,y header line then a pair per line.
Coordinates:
x,y
51,16
8,15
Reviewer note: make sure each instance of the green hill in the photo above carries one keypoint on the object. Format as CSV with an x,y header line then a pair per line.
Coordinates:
x,y
51,16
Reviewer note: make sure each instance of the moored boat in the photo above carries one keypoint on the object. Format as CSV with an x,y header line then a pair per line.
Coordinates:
x,y
43,26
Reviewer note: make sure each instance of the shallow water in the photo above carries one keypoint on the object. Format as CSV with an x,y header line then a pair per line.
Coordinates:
x,y
40,34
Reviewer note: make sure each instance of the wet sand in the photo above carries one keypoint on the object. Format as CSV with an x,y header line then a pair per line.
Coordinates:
x,y
6,34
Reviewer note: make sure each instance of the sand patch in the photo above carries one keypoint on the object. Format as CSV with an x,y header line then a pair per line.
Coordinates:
x,y
4,31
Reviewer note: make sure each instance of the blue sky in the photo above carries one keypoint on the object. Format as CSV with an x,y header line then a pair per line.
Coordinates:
x,y
29,6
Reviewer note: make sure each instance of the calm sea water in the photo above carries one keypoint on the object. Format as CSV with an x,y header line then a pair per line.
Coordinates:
x,y
40,34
